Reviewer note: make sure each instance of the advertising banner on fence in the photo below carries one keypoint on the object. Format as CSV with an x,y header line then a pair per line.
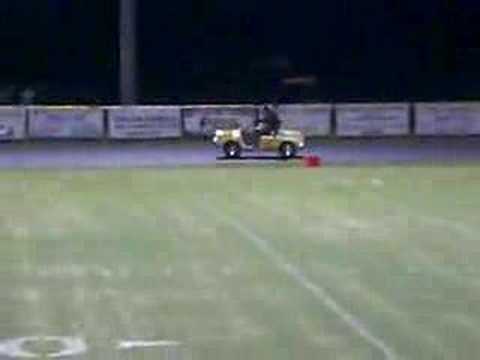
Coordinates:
x,y
12,123
372,119
66,122
447,119
144,122
204,120
312,120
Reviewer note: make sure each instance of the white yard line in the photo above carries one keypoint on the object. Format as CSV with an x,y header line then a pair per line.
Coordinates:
x,y
317,291
456,226
136,344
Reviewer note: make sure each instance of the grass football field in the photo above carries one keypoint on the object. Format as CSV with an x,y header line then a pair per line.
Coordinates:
x,y
241,263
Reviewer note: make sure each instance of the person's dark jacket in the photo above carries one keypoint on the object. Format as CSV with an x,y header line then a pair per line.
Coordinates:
x,y
271,120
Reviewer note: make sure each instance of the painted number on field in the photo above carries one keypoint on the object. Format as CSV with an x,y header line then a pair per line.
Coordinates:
x,y
18,348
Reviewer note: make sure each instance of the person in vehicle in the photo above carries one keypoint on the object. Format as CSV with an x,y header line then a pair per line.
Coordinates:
x,y
269,123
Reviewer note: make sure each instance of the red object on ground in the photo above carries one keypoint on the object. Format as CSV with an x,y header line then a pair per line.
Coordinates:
x,y
312,161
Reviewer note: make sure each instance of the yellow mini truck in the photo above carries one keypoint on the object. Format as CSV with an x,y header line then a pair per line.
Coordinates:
x,y
233,142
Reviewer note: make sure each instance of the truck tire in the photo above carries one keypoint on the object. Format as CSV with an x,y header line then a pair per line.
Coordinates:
x,y
232,150
288,150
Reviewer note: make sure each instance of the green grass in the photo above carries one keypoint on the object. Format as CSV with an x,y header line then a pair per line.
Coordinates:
x,y
174,255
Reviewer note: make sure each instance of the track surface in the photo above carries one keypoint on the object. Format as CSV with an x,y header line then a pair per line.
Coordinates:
x,y
197,153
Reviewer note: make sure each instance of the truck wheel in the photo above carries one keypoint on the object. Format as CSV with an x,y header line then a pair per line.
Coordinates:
x,y
232,150
288,150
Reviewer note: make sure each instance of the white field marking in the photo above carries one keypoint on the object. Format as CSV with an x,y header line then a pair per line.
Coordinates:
x,y
31,295
71,346
317,291
356,289
102,271
377,182
168,271
446,272
240,323
463,320
73,271
399,317
354,224
346,182
227,271
135,344
62,271
18,231
460,228
127,320
341,220
124,272
457,226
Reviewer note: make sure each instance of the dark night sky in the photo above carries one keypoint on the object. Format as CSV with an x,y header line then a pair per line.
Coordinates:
x,y
238,51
